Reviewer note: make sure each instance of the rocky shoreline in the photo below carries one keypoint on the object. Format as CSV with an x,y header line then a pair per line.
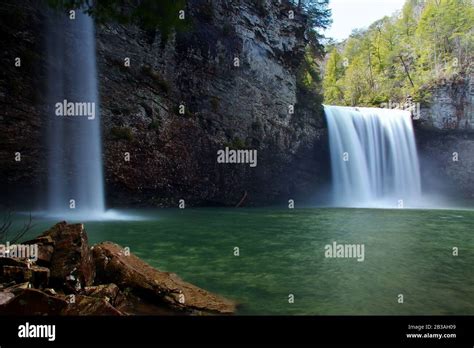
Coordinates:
x,y
69,277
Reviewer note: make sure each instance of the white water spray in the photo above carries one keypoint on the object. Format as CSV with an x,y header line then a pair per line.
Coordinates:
x,y
373,157
75,177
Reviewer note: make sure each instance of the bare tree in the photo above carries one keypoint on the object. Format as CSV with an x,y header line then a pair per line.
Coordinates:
x,y
16,234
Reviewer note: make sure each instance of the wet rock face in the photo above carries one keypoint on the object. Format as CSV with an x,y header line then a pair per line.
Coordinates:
x,y
21,92
32,302
45,249
85,305
234,72
38,276
71,260
15,271
445,136
446,162
122,283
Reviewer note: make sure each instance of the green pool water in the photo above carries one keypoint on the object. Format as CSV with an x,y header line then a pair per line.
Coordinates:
x,y
281,252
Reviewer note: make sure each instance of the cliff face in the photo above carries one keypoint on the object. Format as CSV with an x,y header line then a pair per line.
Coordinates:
x,y
451,106
22,154
233,76
227,81
445,136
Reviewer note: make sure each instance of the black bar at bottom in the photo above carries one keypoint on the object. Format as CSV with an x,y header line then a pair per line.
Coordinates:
x,y
411,330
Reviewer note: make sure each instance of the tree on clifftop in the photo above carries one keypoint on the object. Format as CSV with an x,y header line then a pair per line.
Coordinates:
x,y
148,14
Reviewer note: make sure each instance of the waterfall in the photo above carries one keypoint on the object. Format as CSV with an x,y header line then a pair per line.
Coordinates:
x,y
374,161
75,178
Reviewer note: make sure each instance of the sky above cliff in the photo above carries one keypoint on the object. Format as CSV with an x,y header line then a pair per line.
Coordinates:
x,y
353,14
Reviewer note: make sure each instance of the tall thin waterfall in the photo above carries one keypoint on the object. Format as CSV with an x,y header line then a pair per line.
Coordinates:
x,y
75,178
374,160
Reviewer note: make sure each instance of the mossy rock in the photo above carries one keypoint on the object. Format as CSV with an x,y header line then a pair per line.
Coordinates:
x,y
159,81
215,104
155,124
121,133
236,144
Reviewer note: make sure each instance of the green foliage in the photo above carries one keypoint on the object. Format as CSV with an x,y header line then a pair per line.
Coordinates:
x,y
14,86
149,14
260,6
121,133
227,29
160,82
236,144
331,84
155,124
402,55
308,81
318,16
215,104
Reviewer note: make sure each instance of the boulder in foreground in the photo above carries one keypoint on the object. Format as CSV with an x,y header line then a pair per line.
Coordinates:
x,y
70,278
65,250
113,265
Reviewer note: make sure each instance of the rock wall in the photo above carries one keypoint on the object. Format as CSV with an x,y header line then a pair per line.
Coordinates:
x,y
22,154
172,155
445,135
451,104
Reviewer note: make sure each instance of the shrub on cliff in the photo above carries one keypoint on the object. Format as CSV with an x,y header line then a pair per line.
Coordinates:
x,y
148,14
318,16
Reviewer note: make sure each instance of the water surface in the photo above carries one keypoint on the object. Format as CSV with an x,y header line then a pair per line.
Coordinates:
x,y
407,252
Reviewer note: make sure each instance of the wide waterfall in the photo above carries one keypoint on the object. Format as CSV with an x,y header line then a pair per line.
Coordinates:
x,y
374,160
75,178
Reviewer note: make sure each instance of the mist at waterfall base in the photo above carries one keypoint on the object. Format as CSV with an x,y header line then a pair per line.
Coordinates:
x,y
374,160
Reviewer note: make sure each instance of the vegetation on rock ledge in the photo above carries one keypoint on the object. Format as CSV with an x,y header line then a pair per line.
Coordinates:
x,y
402,55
